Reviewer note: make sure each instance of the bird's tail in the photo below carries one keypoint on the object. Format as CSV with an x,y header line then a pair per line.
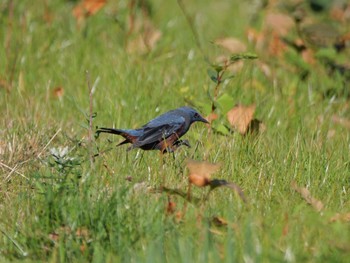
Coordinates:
x,y
129,135
110,130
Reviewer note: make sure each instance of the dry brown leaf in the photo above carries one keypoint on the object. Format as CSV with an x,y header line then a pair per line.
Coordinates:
x,y
171,207
280,24
87,8
305,193
342,121
199,180
212,117
219,221
54,236
233,45
82,232
240,117
308,56
58,92
200,172
83,248
144,42
276,45
340,13
179,215
63,230
4,84
340,217
256,38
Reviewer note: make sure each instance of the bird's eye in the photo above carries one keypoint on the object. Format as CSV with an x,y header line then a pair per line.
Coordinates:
x,y
196,115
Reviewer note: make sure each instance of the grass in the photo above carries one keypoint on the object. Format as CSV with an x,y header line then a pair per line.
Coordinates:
x,y
67,209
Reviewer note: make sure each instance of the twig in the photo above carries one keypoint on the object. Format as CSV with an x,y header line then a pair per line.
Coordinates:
x,y
59,130
13,170
15,243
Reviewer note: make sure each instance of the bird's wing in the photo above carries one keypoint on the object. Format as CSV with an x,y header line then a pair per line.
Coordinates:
x,y
156,131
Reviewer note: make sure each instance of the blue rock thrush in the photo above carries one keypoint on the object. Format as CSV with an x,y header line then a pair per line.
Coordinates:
x,y
162,133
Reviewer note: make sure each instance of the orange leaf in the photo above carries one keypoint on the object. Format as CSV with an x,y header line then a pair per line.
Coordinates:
x,y
200,172
58,92
144,42
305,193
280,24
199,180
87,8
211,117
240,117
82,232
54,236
170,209
276,46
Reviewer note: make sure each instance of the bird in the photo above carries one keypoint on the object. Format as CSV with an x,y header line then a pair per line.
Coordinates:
x,y
162,133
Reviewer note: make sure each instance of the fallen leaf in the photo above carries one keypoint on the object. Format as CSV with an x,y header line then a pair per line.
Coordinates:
x,y
82,248
285,229
231,44
179,215
63,230
280,24
145,41
4,84
87,8
219,221
277,47
340,217
200,172
240,117
199,180
308,56
58,92
256,38
171,207
305,193
54,236
211,117
82,232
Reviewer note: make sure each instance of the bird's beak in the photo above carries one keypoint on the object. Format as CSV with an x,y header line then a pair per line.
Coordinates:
x,y
203,120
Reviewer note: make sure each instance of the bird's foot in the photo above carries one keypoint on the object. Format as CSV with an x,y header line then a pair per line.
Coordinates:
x,y
177,144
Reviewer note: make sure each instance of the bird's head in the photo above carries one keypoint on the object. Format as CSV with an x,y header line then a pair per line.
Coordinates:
x,y
195,116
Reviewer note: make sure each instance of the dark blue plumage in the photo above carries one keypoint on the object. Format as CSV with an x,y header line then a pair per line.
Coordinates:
x,y
162,133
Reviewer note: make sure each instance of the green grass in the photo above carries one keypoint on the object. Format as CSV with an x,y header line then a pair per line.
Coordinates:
x,y
72,210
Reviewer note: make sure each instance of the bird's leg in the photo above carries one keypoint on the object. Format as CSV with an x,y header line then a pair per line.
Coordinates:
x,y
179,143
